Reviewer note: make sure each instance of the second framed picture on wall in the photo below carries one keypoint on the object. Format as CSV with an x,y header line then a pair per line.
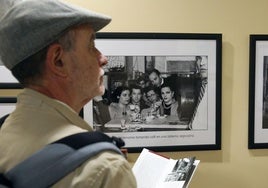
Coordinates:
x,y
258,92
162,91
7,80
7,105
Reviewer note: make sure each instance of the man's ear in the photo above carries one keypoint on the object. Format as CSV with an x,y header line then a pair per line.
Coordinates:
x,y
54,60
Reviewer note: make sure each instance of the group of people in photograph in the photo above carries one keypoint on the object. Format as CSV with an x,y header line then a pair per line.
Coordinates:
x,y
151,95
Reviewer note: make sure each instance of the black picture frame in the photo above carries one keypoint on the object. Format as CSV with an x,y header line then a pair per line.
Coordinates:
x,y
8,81
176,49
11,86
7,105
258,80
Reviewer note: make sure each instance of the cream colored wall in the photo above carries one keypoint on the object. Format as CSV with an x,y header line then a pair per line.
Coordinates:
x,y
234,165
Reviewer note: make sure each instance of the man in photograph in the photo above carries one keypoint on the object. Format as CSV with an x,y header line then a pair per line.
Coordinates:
x,y
153,96
136,104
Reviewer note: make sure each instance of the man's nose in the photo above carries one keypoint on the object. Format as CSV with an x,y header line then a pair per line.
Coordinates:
x,y
103,60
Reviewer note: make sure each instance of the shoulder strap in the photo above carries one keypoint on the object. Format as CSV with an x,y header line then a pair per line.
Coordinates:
x,y
80,140
2,119
4,182
56,160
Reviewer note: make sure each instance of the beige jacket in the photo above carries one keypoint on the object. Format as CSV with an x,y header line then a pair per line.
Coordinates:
x,y
39,120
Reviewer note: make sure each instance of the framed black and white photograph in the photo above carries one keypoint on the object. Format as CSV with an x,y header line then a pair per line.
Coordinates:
x,y
163,91
7,81
7,105
258,92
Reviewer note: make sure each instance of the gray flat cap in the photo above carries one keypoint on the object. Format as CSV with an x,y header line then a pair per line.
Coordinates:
x,y
5,5
31,25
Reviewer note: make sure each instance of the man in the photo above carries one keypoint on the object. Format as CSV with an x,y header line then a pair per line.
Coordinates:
x,y
101,113
143,82
49,47
136,97
155,102
152,94
157,80
136,104
155,77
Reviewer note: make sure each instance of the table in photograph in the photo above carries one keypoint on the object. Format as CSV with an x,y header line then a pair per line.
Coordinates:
x,y
158,123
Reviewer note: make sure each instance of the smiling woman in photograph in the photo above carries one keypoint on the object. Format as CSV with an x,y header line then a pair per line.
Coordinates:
x,y
120,100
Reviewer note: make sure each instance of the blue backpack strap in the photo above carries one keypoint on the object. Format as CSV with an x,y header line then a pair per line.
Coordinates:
x,y
58,159
79,140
